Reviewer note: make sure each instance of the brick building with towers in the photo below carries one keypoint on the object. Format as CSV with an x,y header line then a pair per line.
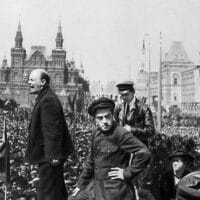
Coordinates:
x,y
66,78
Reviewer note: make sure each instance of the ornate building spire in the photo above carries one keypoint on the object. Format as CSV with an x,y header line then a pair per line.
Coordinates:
x,y
59,37
18,37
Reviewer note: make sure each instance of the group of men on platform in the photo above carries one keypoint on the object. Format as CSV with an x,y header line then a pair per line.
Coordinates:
x,y
119,146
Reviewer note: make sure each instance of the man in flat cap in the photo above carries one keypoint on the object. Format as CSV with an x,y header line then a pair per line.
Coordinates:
x,y
108,161
179,168
133,114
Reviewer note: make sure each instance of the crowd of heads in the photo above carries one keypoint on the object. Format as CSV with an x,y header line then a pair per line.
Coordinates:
x,y
24,177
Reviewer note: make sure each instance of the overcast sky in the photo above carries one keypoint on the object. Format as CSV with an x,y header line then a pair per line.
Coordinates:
x,y
106,34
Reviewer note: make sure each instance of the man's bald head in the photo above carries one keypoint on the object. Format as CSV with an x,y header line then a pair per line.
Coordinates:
x,y
38,79
42,74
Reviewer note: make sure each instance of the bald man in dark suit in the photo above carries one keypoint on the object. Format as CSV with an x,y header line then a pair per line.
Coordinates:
x,y
49,141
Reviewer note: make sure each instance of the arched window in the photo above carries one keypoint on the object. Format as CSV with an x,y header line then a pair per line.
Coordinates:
x,y
175,98
2,77
15,76
175,81
57,79
175,78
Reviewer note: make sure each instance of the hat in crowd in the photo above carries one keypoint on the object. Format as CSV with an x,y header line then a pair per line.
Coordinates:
x,y
34,172
125,85
189,187
181,153
100,103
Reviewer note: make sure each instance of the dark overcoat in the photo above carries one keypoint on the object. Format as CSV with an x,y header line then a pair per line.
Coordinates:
x,y
49,137
139,117
167,185
113,150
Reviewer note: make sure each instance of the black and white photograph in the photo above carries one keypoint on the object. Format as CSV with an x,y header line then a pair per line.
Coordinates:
x,y
100,100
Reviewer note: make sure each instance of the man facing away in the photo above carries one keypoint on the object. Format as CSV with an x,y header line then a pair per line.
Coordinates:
x,y
49,142
108,162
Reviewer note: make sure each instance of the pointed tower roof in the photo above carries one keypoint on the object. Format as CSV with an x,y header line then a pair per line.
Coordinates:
x,y
59,37
177,53
18,37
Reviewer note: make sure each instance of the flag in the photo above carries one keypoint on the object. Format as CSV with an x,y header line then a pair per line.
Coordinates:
x,y
4,156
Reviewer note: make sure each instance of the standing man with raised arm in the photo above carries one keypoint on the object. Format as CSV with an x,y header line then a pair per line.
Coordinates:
x,y
49,141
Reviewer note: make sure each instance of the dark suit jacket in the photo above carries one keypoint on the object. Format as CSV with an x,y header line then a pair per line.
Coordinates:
x,y
139,117
49,137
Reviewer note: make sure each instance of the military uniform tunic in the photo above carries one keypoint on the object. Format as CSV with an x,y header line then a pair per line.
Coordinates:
x,y
112,149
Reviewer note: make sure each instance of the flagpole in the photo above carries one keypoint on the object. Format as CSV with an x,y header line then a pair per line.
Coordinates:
x,y
160,88
149,97
147,57
5,139
5,192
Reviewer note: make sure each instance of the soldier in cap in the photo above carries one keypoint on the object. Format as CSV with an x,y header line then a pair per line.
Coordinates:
x,y
109,157
134,115
179,168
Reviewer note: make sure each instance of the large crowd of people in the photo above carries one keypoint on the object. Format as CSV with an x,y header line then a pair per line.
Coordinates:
x,y
24,177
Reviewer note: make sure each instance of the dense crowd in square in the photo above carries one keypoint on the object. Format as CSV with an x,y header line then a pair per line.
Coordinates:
x,y
24,177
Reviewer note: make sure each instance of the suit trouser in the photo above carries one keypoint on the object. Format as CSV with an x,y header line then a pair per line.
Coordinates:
x,y
51,183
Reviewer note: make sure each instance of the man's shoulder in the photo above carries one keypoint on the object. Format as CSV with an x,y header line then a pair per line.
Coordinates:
x,y
50,95
142,105
120,132
120,129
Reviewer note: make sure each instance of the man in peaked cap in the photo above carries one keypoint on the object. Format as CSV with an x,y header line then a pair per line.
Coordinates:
x,y
136,117
132,114
169,180
108,160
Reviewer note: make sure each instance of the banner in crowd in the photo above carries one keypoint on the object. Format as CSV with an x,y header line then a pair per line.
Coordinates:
x,y
4,156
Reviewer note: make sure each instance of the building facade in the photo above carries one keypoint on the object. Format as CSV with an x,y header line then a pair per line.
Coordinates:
x,y
65,77
180,80
175,62
191,90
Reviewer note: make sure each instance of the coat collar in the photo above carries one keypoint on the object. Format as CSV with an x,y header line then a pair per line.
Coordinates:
x,y
133,104
41,94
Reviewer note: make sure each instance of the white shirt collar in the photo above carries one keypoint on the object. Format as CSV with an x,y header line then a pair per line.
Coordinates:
x,y
132,103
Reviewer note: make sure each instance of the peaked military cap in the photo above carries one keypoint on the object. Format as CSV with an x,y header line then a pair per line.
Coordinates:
x,y
180,153
100,103
126,85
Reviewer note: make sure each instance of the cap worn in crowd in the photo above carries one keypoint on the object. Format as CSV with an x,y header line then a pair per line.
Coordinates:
x,y
126,85
100,103
180,153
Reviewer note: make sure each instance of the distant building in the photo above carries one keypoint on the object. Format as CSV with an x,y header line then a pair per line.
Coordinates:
x,y
191,90
65,77
175,62
180,81
141,85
